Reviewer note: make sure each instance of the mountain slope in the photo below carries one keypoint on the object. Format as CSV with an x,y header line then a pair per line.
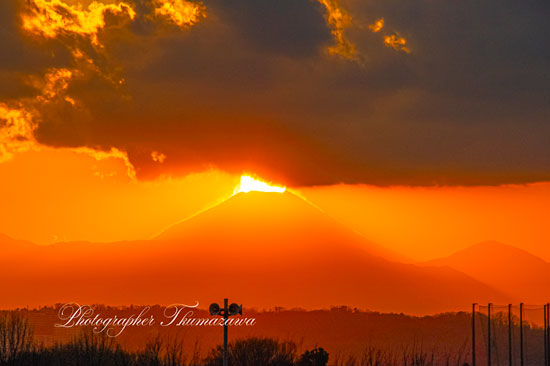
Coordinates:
x,y
504,267
270,219
261,249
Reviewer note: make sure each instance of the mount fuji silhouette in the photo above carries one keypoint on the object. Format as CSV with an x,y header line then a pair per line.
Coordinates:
x,y
260,249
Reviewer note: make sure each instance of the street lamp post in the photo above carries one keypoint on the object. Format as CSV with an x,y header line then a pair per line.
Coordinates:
x,y
226,312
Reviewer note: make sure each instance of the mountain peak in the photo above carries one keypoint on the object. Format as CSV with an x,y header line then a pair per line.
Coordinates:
x,y
498,251
269,219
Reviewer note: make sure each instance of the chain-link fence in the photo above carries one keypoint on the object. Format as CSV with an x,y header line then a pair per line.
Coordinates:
x,y
510,335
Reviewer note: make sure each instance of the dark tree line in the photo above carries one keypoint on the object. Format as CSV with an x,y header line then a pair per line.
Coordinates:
x,y
90,349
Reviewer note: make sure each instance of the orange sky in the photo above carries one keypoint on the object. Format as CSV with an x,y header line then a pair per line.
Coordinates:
x,y
61,195
428,222
64,195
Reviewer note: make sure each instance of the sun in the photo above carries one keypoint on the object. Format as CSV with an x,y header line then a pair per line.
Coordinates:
x,y
249,184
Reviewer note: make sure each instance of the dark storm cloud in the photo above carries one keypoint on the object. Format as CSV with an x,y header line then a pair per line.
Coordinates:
x,y
290,27
19,58
475,109
252,87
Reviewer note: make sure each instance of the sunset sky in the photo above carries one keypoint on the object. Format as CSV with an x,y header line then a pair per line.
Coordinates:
x,y
422,125
62,195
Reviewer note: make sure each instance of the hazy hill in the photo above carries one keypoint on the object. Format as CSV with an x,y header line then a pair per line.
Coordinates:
x,y
504,267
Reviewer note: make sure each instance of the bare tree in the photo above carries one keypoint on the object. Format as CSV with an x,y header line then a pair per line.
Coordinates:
x,y
16,336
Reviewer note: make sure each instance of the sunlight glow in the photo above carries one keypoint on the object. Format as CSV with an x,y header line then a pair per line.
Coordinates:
x,y
249,184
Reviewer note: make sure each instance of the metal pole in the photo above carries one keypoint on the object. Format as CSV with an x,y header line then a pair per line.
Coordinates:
x,y
548,332
521,332
474,334
545,339
509,334
225,316
489,335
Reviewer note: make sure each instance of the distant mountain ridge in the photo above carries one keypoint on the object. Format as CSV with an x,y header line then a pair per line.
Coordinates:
x,y
262,249
504,267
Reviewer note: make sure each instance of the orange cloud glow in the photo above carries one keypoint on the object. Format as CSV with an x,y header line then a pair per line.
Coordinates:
x,y
377,26
16,131
158,157
114,153
396,42
249,184
54,18
181,12
51,18
18,123
18,119
338,20
54,82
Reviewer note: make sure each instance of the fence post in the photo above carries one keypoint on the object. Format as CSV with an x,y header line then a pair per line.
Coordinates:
x,y
509,334
545,337
548,331
489,334
474,334
521,333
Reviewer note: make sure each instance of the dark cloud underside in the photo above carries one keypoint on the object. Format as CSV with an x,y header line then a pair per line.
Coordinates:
x,y
252,87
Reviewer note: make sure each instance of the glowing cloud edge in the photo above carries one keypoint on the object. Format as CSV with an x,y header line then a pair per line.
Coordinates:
x,y
249,184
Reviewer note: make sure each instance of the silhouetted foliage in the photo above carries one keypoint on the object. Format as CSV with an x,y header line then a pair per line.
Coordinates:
x,y
253,352
315,357
87,349
90,349
15,337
